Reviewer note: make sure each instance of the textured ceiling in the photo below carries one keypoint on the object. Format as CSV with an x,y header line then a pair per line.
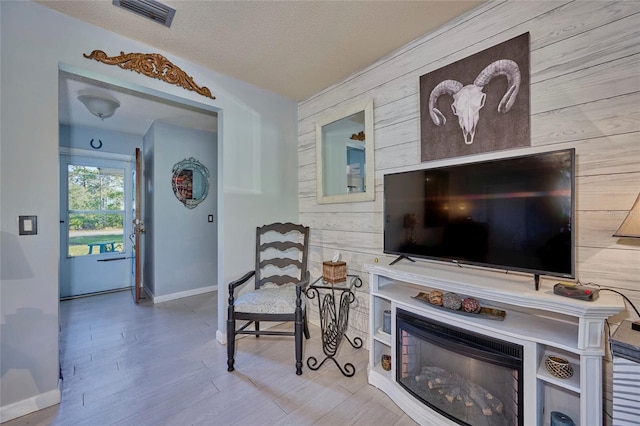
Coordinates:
x,y
292,48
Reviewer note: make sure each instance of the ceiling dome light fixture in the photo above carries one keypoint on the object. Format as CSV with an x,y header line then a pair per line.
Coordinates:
x,y
100,106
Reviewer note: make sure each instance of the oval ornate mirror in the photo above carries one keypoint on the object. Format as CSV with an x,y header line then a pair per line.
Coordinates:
x,y
190,182
344,155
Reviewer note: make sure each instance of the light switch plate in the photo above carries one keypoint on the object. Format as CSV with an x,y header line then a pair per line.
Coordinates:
x,y
27,225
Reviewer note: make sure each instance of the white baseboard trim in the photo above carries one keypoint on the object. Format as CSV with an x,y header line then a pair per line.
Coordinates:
x,y
30,405
181,294
221,337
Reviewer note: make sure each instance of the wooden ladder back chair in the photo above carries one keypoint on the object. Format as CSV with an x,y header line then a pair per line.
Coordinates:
x,y
280,278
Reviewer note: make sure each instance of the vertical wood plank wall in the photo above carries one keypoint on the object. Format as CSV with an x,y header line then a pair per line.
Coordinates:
x,y
585,94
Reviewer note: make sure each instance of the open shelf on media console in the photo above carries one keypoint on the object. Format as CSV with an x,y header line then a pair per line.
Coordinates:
x,y
563,335
382,337
571,384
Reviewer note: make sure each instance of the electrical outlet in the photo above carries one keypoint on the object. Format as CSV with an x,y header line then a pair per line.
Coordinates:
x,y
210,218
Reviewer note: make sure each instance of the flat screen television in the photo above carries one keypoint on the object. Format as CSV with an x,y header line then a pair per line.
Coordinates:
x,y
514,214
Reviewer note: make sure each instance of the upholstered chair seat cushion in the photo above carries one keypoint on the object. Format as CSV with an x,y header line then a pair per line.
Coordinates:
x,y
279,300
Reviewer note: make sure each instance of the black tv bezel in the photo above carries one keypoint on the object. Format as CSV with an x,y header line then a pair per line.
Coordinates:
x,y
507,268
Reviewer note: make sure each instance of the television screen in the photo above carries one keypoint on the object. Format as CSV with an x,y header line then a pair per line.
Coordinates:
x,y
513,214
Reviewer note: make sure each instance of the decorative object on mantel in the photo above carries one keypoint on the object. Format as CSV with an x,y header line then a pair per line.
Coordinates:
x,y
462,89
435,297
451,301
630,227
334,271
483,312
385,361
560,419
471,305
358,136
152,65
190,182
558,367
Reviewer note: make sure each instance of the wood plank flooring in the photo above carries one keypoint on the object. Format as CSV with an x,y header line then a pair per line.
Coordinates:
x,y
160,364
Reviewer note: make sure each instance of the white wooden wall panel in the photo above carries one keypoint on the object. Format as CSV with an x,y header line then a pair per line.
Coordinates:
x,y
614,268
587,85
393,135
602,44
607,192
585,94
307,149
308,204
595,230
610,154
568,20
609,116
370,222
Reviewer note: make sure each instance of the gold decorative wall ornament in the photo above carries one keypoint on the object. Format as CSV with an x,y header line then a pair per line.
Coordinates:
x,y
152,65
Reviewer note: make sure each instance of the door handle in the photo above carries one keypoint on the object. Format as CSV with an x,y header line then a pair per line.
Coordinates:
x,y
138,225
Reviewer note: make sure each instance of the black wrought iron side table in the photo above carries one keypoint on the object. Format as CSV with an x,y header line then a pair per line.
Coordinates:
x,y
334,301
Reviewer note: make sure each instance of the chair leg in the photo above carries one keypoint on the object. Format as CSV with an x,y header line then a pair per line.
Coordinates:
x,y
298,337
257,324
231,340
306,327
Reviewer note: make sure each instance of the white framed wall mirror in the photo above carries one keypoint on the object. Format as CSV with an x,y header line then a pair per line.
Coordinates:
x,y
344,155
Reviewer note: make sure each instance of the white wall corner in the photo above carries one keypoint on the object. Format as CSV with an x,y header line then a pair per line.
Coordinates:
x,y
30,405
221,337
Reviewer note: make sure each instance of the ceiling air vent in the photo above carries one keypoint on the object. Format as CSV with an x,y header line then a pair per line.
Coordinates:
x,y
150,9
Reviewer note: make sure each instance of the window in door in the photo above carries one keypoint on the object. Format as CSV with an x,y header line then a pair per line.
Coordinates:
x,y
96,210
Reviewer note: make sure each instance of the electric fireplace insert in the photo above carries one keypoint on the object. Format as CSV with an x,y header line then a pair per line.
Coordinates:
x,y
470,378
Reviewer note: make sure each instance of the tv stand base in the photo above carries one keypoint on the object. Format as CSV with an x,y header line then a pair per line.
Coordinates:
x,y
399,258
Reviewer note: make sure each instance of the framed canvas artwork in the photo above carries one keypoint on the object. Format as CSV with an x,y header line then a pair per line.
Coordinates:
x,y
477,104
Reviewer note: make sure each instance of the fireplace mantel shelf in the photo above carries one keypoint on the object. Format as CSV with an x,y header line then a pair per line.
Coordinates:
x,y
544,323
513,289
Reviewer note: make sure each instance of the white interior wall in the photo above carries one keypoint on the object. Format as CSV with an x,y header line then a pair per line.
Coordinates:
x,y
184,242
113,142
255,127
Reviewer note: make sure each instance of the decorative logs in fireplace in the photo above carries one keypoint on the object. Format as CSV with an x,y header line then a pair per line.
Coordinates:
x,y
456,388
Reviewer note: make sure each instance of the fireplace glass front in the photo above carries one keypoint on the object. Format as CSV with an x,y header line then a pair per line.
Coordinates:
x,y
467,377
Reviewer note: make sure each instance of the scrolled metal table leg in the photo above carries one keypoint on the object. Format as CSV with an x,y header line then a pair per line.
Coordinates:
x,y
334,321
348,370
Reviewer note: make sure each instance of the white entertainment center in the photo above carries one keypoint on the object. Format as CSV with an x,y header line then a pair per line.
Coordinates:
x,y
542,322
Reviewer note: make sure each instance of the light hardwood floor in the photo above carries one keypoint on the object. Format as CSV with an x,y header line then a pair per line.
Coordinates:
x,y
161,365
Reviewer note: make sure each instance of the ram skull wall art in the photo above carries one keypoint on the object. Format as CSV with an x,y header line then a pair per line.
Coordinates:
x,y
477,104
